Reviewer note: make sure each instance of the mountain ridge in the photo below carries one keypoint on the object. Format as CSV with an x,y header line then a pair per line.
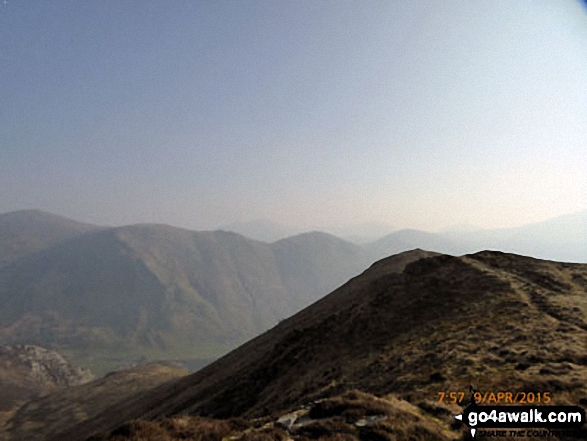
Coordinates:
x,y
27,231
156,287
495,320
144,291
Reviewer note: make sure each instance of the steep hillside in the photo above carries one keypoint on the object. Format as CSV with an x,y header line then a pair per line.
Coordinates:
x,y
496,321
351,416
43,417
314,264
28,231
157,292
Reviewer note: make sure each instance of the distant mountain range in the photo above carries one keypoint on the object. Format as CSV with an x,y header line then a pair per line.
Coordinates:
x,y
262,229
110,296
269,231
368,361
563,238
29,231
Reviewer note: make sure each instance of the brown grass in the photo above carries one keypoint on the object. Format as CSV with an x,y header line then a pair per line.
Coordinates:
x,y
352,405
180,428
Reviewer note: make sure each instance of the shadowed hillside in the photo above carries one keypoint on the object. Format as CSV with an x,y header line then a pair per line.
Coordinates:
x,y
42,417
112,296
494,320
30,371
352,416
157,292
304,261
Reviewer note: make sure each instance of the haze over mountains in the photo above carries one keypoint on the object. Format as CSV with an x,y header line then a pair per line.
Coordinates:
x,y
563,238
28,231
110,296
113,296
161,292
257,198
269,231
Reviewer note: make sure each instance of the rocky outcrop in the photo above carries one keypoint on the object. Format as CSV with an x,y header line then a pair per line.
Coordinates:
x,y
27,371
48,368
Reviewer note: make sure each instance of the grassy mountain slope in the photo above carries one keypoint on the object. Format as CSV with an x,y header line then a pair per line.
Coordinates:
x,y
160,292
314,264
351,416
497,321
28,231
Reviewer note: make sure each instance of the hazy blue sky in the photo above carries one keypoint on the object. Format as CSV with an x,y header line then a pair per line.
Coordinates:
x,y
422,114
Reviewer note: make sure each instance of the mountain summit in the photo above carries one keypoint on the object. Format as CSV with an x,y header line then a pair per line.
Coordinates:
x,y
493,320
28,231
